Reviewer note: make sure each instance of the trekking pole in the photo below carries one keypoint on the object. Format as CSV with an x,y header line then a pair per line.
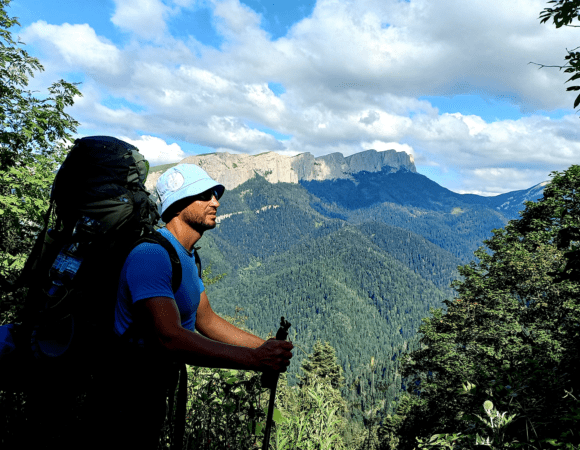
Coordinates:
x,y
270,381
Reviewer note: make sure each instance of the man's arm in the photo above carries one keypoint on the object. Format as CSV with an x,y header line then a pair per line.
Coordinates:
x,y
214,327
194,349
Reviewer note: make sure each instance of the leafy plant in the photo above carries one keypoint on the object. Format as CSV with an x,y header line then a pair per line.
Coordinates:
x,y
33,137
563,14
496,422
312,417
511,336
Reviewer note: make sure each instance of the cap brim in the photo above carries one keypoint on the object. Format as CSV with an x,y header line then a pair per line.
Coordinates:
x,y
192,190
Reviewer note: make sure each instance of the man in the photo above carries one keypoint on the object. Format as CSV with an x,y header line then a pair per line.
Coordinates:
x,y
166,321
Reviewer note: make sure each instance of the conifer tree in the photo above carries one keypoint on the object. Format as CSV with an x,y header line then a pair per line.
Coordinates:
x,y
323,364
512,336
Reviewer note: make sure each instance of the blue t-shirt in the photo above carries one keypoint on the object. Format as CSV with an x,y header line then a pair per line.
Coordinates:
x,y
147,273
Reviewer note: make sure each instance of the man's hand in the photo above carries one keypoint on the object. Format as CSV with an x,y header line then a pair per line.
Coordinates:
x,y
274,355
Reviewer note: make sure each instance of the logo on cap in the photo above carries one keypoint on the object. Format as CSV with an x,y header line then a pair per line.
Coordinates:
x,y
175,181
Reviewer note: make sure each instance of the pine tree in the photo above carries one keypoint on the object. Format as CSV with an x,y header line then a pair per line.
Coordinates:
x,y
323,364
512,336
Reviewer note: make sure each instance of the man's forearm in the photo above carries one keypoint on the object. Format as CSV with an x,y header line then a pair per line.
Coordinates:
x,y
196,350
223,331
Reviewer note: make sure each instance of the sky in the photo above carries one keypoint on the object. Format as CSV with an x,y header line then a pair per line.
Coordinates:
x,y
448,81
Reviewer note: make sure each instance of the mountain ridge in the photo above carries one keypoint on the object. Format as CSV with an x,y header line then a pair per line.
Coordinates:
x,y
232,170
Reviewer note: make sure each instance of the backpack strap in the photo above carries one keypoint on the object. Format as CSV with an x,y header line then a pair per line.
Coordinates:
x,y
158,238
197,260
176,277
176,274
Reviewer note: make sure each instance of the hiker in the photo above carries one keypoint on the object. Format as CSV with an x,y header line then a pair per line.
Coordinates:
x,y
144,367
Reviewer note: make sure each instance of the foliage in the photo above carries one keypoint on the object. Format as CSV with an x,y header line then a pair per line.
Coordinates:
x,y
33,135
322,364
312,417
563,14
511,337
389,431
314,410
566,210
227,409
495,438
362,287
206,277
494,421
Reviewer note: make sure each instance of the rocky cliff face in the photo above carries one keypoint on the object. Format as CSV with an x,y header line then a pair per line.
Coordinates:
x,y
233,170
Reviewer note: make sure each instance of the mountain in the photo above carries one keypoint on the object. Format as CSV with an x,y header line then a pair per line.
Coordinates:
x,y
343,176
233,170
511,203
458,223
353,251
407,188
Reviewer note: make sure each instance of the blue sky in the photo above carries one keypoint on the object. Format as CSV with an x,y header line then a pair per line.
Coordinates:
x,y
449,82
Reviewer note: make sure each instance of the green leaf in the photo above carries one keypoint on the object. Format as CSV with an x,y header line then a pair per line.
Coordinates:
x,y
553,442
277,416
575,77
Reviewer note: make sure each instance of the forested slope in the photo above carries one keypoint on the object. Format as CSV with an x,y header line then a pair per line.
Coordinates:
x,y
454,222
361,280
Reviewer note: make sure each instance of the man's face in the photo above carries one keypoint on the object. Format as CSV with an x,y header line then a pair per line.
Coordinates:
x,y
201,213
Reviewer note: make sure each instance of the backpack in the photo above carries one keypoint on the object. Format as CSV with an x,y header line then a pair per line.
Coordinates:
x,y
101,211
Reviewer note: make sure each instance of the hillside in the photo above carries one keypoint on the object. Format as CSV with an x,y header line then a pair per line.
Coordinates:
x,y
354,261
340,280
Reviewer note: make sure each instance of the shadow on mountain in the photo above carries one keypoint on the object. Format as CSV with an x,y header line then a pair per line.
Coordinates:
x,y
401,187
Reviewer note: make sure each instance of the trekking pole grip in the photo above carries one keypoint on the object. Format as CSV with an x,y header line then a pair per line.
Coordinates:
x,y
269,379
282,332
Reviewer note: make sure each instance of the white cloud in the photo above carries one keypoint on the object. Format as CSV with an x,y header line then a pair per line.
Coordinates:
x,y
503,155
237,22
529,140
77,46
156,150
236,136
353,73
500,179
144,18
384,146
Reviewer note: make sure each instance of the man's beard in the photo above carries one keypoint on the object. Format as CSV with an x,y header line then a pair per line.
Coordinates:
x,y
201,222
202,226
